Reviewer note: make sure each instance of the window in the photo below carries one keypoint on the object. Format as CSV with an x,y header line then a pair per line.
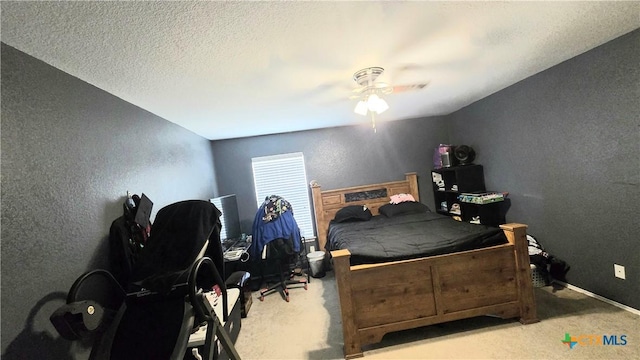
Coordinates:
x,y
284,175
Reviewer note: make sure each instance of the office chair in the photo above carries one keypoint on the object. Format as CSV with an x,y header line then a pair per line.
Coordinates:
x,y
276,238
164,303
290,267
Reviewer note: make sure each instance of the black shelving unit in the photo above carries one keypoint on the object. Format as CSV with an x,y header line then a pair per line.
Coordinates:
x,y
449,182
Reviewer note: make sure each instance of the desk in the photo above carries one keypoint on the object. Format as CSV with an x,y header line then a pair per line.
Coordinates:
x,y
237,272
233,264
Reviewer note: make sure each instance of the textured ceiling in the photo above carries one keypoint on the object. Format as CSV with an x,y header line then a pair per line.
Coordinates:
x,y
235,69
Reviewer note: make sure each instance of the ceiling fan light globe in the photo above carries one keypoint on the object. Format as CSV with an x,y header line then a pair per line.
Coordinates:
x,y
361,108
381,106
376,104
372,102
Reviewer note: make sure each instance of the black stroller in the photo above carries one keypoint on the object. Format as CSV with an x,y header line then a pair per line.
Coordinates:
x,y
153,315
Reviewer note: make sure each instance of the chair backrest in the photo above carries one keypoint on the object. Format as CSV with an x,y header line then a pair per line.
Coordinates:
x,y
281,249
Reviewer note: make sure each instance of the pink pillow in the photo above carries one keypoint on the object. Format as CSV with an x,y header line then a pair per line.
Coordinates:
x,y
399,198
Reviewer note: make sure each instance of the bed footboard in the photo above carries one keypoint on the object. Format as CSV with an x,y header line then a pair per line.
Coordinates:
x,y
379,298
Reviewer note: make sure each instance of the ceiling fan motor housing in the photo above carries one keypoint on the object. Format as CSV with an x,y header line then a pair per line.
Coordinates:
x,y
464,154
366,77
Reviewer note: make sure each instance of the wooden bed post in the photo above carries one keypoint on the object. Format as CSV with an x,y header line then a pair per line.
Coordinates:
x,y
316,194
517,235
412,179
341,267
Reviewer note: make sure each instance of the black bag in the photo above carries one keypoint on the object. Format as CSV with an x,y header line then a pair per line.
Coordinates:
x,y
127,236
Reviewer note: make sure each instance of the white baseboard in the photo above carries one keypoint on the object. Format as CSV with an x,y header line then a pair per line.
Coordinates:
x,y
596,296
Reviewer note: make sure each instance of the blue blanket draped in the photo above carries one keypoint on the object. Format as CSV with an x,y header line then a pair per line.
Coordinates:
x,y
282,227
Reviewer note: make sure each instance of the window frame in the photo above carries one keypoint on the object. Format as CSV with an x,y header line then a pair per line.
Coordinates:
x,y
268,180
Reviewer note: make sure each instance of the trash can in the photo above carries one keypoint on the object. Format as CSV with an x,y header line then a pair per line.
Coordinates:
x,y
316,263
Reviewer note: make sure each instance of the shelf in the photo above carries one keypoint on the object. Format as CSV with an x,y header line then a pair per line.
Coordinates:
x,y
466,179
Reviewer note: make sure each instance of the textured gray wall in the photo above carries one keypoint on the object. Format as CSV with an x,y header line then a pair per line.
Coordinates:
x,y
70,151
335,157
565,144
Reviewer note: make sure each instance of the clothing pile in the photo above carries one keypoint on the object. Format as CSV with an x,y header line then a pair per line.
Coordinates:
x,y
274,220
547,267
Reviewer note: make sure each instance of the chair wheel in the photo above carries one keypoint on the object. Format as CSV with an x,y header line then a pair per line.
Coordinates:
x,y
261,297
287,298
305,286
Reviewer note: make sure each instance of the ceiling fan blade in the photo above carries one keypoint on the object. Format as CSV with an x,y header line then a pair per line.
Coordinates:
x,y
410,67
411,87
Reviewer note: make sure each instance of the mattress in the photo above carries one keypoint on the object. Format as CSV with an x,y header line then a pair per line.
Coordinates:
x,y
409,236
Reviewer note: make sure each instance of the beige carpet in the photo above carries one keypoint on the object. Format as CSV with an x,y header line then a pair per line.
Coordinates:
x,y
309,327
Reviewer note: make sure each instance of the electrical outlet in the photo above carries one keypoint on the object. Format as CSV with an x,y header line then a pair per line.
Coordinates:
x,y
618,271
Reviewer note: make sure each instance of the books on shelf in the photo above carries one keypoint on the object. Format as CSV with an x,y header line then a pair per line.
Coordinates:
x,y
482,197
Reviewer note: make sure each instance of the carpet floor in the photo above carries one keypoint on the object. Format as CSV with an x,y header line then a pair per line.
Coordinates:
x,y
309,327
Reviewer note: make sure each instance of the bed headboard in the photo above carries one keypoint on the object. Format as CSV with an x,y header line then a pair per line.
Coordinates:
x,y
327,202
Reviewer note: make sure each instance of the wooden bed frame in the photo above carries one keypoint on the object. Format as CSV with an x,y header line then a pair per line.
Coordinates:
x,y
379,298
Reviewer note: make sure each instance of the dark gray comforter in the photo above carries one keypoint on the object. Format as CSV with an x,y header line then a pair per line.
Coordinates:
x,y
409,236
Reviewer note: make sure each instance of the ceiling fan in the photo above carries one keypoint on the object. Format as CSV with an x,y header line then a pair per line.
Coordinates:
x,y
369,92
366,78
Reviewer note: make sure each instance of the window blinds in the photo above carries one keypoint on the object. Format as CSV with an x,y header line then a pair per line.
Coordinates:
x,y
284,175
223,228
